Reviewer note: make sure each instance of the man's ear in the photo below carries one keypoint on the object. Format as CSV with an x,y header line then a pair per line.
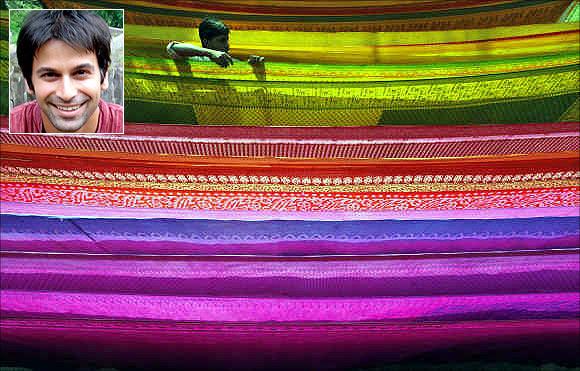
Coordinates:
x,y
105,83
29,90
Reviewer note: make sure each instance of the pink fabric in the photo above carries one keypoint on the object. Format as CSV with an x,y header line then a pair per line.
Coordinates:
x,y
26,118
237,309
20,208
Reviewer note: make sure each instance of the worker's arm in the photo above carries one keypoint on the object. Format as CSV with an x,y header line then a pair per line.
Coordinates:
x,y
176,49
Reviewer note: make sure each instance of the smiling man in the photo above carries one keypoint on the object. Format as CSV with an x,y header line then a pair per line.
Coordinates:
x,y
64,56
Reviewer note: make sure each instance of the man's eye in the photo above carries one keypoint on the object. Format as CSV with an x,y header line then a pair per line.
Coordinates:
x,y
48,75
82,73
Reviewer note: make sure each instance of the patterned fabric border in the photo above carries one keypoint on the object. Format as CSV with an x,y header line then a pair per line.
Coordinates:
x,y
314,185
267,179
408,183
282,202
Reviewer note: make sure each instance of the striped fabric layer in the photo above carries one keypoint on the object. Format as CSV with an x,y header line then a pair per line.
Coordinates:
x,y
288,238
339,142
151,183
339,345
336,16
406,193
506,75
512,74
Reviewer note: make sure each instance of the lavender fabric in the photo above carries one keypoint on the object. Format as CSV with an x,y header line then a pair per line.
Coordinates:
x,y
312,292
300,238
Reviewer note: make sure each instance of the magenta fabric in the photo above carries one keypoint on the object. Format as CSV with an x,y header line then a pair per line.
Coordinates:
x,y
100,278
226,309
280,346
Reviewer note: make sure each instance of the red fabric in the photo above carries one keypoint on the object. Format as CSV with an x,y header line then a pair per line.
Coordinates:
x,y
226,200
344,9
52,158
26,118
387,132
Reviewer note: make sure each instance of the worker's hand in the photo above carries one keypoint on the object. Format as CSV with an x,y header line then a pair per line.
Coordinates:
x,y
170,50
222,59
255,60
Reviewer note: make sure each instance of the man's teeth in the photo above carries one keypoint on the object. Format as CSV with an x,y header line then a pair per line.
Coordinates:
x,y
71,108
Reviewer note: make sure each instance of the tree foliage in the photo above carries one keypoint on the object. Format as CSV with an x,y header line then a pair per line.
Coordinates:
x,y
114,18
23,4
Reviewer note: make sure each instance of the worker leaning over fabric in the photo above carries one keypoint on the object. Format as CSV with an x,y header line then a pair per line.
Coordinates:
x,y
215,46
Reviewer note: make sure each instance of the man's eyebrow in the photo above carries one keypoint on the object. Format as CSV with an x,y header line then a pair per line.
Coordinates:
x,y
85,66
82,66
42,70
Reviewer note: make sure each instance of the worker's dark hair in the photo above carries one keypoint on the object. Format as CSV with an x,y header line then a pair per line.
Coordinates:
x,y
210,28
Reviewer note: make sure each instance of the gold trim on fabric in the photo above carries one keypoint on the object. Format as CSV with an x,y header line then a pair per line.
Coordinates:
x,y
422,187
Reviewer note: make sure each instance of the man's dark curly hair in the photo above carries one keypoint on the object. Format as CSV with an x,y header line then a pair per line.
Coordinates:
x,y
81,29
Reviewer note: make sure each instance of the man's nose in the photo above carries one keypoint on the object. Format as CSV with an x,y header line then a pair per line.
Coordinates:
x,y
67,89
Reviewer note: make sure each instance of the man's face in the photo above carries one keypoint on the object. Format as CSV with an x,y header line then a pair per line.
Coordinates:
x,y
67,86
220,43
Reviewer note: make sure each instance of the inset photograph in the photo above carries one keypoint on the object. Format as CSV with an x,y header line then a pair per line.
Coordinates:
x,y
66,71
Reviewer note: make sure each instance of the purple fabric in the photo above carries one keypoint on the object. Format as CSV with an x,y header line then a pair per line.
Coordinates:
x,y
300,248
324,278
215,231
299,238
